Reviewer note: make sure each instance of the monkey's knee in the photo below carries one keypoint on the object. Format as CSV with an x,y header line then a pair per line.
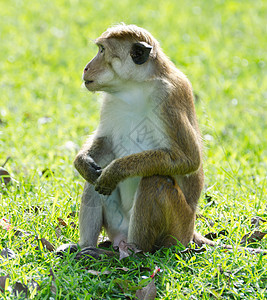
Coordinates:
x,y
161,214
159,189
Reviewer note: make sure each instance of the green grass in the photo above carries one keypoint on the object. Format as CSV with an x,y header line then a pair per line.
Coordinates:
x,y
44,46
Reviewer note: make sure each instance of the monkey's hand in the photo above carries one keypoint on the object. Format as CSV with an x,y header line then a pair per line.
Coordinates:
x,y
88,168
108,180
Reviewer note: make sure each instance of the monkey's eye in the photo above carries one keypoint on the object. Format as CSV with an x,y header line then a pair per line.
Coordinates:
x,y
101,49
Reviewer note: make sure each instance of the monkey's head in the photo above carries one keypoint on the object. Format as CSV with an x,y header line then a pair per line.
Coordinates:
x,y
127,54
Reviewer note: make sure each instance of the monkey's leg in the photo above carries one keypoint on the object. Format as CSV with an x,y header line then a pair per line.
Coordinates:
x,y
160,214
116,221
90,217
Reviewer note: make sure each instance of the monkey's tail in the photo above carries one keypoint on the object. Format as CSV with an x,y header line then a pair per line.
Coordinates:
x,y
201,240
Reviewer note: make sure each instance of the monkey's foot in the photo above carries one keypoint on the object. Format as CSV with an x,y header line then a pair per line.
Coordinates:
x,y
66,248
92,252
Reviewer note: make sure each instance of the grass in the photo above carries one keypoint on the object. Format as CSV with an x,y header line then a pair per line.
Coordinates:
x,y
46,116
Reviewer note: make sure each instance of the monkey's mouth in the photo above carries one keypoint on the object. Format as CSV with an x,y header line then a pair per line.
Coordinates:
x,y
88,81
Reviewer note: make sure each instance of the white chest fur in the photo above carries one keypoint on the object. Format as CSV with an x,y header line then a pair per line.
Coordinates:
x,y
132,120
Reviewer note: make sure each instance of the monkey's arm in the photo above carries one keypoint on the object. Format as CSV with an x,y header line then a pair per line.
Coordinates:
x,y
94,153
183,157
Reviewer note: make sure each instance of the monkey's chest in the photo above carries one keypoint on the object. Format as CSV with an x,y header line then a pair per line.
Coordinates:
x,y
137,135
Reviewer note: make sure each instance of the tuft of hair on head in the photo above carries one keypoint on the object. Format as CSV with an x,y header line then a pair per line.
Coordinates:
x,y
131,32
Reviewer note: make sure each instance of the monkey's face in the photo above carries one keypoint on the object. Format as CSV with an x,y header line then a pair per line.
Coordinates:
x,y
117,63
98,74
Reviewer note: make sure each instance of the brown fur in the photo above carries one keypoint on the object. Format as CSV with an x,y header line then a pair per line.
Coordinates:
x,y
164,207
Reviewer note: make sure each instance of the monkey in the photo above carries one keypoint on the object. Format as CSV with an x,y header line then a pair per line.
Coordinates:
x,y
143,164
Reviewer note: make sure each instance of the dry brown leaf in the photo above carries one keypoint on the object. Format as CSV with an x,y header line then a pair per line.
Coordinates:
x,y
8,253
192,250
255,221
20,289
211,236
252,237
53,284
123,269
126,249
61,222
73,225
3,282
21,233
46,244
72,214
93,272
4,176
46,173
140,269
148,292
214,235
123,249
58,232
34,209
208,221
34,285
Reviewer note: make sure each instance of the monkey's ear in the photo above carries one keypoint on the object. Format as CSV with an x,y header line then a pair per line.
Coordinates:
x,y
140,52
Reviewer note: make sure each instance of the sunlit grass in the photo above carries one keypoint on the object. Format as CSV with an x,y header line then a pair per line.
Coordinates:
x,y
221,47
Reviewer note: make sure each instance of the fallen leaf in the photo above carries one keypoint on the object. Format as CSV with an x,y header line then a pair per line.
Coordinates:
x,y
213,235
72,214
126,249
208,221
34,208
7,159
73,225
255,221
2,122
8,253
3,282
46,244
58,232
93,272
53,284
140,269
46,173
91,252
61,222
20,289
4,176
34,286
123,269
148,292
192,250
252,237
208,198
21,233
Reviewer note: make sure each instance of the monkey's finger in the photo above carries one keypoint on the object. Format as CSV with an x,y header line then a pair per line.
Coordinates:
x,y
95,166
103,190
99,172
